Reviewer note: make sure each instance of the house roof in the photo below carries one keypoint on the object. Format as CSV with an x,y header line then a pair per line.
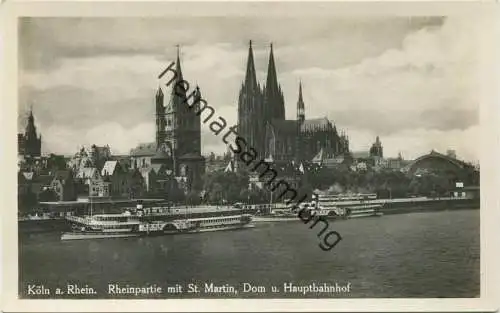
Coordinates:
x,y
156,167
161,155
284,126
323,154
28,175
86,172
316,124
191,155
230,167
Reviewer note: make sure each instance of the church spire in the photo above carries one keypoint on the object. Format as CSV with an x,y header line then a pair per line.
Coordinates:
x,y
178,69
178,94
30,127
159,92
250,77
274,102
300,106
32,142
272,80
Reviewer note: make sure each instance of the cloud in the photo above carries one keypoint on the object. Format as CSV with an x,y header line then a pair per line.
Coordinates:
x,y
57,139
412,143
434,72
44,41
393,77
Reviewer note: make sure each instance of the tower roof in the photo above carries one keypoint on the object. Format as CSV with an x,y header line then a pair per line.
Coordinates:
x,y
272,79
178,69
178,94
300,92
30,126
300,102
178,73
250,77
275,105
159,92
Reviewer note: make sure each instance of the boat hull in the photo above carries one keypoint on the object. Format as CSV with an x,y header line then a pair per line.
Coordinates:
x,y
96,235
204,230
104,235
264,219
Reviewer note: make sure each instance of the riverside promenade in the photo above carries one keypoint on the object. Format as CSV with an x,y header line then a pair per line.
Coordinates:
x,y
406,205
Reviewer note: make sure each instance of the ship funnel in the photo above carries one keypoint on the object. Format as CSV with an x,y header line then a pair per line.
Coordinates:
x,y
314,201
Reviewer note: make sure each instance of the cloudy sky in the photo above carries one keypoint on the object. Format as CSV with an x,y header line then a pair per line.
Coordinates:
x,y
412,81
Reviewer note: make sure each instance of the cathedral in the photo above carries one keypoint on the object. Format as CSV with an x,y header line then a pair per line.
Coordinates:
x,y
29,144
261,121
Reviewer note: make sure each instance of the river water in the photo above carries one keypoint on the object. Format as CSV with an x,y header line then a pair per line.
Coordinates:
x,y
432,254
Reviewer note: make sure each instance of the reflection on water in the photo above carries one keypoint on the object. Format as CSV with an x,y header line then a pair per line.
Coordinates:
x,y
408,255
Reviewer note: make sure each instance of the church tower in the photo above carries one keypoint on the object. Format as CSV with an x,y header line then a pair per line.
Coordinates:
x,y
160,118
274,104
301,114
182,125
251,125
32,143
376,150
181,131
300,121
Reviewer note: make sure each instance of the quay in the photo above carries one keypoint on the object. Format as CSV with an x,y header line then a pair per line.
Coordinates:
x,y
63,209
406,205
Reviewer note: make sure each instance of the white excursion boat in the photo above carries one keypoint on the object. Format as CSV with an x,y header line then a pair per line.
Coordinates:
x,y
292,214
102,226
207,224
277,216
364,210
350,206
129,225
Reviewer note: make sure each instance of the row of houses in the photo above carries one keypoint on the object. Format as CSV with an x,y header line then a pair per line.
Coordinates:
x,y
112,180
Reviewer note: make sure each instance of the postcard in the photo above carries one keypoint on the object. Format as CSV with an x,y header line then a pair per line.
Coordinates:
x,y
253,156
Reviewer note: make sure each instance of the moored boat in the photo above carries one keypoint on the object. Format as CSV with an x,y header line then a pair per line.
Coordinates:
x,y
129,225
208,224
78,235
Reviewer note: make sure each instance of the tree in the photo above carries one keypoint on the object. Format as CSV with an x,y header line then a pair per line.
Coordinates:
x,y
221,186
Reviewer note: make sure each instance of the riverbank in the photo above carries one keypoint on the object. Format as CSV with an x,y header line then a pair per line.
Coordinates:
x,y
406,205
389,206
417,255
429,205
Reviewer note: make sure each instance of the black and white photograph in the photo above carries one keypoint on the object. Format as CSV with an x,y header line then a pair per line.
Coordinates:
x,y
246,156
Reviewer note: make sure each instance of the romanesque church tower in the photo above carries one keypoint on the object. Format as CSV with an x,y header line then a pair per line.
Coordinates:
x,y
178,131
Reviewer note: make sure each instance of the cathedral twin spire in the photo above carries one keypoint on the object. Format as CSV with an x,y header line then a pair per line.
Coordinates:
x,y
274,105
273,96
251,76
